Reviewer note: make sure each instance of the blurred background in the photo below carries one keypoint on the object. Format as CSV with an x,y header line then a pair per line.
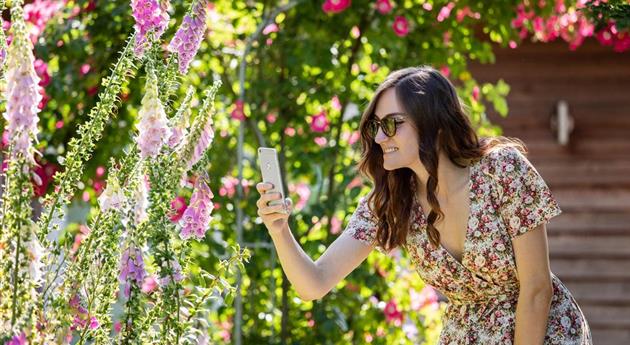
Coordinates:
x,y
296,76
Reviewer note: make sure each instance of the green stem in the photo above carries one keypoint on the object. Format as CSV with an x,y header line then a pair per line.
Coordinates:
x,y
15,277
100,108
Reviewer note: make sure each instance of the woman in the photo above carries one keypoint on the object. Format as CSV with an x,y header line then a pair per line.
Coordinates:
x,y
470,213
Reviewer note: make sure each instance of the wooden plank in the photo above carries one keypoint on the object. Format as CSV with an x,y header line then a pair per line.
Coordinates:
x,y
551,71
585,173
537,115
593,200
545,145
610,336
599,293
607,317
591,270
590,223
598,247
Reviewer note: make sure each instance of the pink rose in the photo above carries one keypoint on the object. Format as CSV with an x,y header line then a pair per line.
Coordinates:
x,y
335,6
401,26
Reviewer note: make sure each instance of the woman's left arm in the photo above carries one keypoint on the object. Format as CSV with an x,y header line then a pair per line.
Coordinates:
x,y
534,275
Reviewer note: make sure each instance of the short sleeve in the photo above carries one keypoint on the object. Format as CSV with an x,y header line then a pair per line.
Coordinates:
x,y
525,199
363,224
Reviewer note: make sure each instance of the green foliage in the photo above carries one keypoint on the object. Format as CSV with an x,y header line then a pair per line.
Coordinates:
x,y
291,74
601,13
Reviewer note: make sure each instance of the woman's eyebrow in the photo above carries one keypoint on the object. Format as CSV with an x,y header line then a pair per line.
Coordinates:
x,y
390,114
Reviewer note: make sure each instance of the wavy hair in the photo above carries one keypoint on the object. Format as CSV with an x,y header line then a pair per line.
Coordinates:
x,y
443,125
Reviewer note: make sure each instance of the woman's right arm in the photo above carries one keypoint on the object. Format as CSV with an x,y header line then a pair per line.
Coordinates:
x,y
311,280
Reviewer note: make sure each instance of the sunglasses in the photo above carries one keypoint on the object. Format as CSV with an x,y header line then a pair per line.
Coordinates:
x,y
388,124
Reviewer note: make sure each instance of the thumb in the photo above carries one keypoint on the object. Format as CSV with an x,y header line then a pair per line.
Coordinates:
x,y
288,203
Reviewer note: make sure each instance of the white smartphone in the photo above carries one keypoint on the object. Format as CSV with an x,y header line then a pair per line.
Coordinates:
x,y
270,168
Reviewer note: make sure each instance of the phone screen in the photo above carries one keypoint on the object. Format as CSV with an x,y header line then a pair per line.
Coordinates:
x,y
270,168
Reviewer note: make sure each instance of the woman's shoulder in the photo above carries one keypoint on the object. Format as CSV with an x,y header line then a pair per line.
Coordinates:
x,y
503,156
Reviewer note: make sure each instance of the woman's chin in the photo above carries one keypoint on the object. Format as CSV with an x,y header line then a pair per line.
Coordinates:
x,y
390,167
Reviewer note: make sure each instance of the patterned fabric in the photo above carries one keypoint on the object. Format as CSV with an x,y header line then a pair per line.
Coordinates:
x,y
507,198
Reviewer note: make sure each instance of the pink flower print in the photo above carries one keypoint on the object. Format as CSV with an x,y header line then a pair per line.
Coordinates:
x,y
335,6
319,122
383,6
401,26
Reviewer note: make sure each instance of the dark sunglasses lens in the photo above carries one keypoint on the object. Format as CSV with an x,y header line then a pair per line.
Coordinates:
x,y
372,128
389,126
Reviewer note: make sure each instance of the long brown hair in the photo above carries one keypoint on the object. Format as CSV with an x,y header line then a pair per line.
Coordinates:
x,y
434,108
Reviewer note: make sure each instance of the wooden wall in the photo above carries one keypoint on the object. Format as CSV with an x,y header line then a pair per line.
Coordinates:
x,y
589,243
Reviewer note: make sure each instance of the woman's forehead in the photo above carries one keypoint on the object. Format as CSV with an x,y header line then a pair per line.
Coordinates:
x,y
387,104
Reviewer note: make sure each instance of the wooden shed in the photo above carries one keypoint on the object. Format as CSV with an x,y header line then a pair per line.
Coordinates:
x,y
587,90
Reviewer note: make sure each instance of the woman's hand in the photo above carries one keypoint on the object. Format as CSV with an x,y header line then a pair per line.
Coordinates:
x,y
274,217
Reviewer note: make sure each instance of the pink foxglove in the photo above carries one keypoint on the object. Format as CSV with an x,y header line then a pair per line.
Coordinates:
x,y
197,216
153,126
151,18
189,35
131,269
23,93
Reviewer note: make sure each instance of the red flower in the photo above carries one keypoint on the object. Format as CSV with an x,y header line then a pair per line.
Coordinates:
x,y
401,26
178,205
44,173
91,91
392,314
319,122
335,6
41,68
475,93
238,113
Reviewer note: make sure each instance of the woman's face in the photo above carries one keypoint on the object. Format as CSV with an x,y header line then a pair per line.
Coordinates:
x,y
404,142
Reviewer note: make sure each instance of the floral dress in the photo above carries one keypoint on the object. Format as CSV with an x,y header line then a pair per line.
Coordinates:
x,y
507,198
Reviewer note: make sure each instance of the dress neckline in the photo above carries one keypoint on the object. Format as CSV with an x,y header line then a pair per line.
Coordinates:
x,y
470,214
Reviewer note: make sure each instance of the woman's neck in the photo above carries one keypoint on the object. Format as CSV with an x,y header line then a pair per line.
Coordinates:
x,y
451,177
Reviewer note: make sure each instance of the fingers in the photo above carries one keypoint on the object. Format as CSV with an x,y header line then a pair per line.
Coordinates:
x,y
264,199
271,209
263,186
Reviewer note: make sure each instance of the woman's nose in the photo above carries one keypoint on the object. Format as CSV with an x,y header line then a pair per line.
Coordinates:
x,y
380,136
